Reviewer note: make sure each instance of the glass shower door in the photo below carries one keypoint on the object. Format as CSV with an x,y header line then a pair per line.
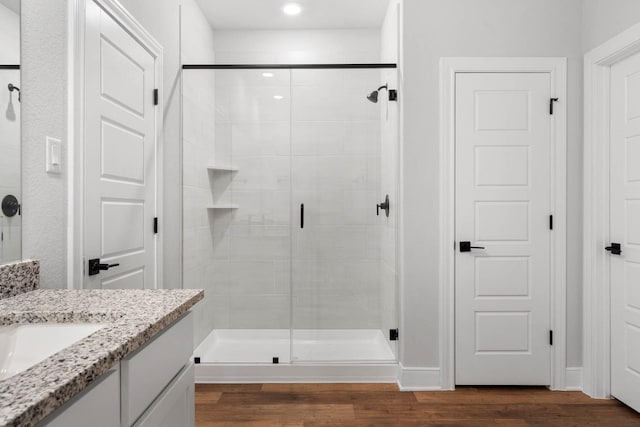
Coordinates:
x,y
236,218
343,252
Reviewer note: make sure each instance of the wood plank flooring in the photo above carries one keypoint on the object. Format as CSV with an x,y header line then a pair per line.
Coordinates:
x,y
383,405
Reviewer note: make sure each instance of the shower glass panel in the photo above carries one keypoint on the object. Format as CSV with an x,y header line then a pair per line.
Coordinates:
x,y
344,296
282,172
236,161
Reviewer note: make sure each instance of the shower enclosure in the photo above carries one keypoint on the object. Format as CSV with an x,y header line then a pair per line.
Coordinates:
x,y
10,195
286,170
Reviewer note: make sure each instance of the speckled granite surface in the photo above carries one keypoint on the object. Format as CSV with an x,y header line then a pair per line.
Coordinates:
x,y
19,277
133,317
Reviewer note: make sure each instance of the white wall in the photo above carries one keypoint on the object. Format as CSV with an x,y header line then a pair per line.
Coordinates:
x,y
297,46
44,104
603,19
435,29
10,247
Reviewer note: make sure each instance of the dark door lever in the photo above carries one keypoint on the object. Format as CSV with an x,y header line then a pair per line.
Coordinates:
x,y
615,249
95,267
384,206
466,247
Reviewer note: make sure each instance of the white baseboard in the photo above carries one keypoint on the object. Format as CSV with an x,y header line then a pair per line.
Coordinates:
x,y
302,373
419,379
573,379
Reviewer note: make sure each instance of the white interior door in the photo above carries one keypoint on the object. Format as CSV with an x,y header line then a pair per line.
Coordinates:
x,y
625,230
119,157
502,309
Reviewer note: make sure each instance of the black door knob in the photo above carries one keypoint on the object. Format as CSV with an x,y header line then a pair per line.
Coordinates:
x,y
466,247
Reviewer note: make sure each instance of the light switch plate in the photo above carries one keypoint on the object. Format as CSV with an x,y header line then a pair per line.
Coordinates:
x,y
53,149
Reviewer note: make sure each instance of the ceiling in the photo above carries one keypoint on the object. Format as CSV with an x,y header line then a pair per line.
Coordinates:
x,y
316,14
12,4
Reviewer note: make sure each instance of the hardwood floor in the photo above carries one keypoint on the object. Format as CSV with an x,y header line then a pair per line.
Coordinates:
x,y
383,405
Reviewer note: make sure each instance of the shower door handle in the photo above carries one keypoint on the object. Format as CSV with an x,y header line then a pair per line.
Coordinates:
x,y
384,206
302,215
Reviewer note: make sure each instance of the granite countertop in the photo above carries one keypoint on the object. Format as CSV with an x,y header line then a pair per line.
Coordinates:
x,y
133,317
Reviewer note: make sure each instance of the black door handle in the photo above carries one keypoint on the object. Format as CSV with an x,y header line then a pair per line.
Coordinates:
x,y
302,215
384,206
615,249
466,247
95,267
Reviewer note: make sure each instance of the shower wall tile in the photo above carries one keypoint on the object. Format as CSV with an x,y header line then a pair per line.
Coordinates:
x,y
335,104
259,245
259,311
261,139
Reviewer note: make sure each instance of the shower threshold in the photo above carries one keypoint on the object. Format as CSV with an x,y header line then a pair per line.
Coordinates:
x,y
247,355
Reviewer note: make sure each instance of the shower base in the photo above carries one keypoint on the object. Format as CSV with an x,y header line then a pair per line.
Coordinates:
x,y
247,356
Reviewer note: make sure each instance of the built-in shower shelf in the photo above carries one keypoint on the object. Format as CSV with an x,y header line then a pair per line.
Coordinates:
x,y
223,206
223,168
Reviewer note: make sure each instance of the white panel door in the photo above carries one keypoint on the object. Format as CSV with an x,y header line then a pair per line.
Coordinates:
x,y
503,134
119,157
625,230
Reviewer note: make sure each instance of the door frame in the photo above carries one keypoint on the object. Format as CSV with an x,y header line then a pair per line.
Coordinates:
x,y
76,130
557,68
596,269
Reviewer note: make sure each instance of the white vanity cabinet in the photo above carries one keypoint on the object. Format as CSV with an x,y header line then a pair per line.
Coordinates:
x,y
150,370
152,387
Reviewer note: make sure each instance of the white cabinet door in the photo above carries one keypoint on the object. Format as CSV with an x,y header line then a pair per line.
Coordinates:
x,y
175,406
97,406
503,138
625,230
119,155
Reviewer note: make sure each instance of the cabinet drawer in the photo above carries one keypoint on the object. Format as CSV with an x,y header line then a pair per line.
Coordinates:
x,y
147,372
176,406
98,405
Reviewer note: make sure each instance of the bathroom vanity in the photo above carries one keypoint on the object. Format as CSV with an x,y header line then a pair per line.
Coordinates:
x,y
132,368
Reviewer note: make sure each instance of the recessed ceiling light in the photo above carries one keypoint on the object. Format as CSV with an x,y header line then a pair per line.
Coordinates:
x,y
267,75
292,9
278,97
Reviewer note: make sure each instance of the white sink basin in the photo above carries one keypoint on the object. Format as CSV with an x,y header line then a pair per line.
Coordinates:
x,y
24,345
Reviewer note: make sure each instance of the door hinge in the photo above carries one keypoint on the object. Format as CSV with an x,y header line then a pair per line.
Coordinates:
x,y
155,225
551,102
550,222
550,337
394,334
156,96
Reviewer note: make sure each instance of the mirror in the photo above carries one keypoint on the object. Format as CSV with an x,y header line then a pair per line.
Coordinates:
x,y
10,188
